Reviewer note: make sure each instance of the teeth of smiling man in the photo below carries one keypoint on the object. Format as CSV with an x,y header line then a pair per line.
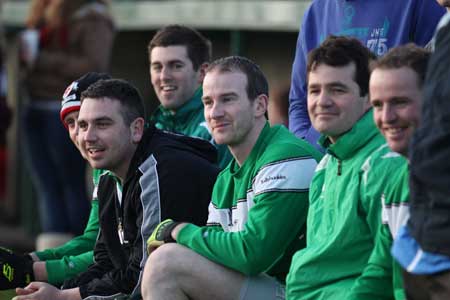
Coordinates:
x,y
168,88
94,150
395,130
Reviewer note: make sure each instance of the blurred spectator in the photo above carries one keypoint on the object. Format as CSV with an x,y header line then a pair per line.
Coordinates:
x,y
278,106
380,25
5,112
5,119
70,38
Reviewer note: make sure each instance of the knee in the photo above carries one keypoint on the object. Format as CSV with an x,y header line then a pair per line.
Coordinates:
x,y
161,268
163,262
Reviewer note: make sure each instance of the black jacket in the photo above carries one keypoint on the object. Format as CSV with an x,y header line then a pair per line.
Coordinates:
x,y
170,176
429,221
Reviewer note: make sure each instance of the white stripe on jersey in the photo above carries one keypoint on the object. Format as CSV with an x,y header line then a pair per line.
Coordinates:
x,y
394,215
290,175
287,175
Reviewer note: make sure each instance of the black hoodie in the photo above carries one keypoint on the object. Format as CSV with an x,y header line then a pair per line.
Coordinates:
x,y
170,176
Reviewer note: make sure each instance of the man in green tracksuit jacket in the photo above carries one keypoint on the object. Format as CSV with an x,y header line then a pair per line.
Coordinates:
x,y
396,95
178,58
258,209
55,265
344,213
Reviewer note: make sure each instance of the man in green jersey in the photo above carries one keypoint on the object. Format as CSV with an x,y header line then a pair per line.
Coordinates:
x,y
396,96
345,192
58,264
259,202
178,57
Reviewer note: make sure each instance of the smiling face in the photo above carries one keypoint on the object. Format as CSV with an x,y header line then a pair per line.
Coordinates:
x,y
173,76
334,101
396,97
230,114
104,138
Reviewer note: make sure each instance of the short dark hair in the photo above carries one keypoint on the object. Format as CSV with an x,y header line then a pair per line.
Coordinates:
x,y
409,55
119,90
198,47
339,51
256,80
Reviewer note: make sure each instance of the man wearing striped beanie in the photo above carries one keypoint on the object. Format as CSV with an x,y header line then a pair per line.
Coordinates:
x,y
54,265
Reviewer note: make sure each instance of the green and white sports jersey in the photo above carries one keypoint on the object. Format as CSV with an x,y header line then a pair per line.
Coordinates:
x,y
382,278
395,199
258,211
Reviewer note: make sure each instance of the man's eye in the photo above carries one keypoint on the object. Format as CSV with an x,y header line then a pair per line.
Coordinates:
x,y
401,102
377,105
207,103
338,91
156,68
227,99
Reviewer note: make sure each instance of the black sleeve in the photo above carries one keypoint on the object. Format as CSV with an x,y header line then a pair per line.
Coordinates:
x,y
429,155
186,192
101,265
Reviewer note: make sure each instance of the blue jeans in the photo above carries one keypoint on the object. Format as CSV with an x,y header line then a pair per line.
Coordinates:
x,y
57,169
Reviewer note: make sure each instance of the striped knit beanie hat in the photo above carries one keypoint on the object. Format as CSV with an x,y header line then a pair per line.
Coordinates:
x,y
72,95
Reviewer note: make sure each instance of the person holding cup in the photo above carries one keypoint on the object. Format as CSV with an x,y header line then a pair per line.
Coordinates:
x,y
64,40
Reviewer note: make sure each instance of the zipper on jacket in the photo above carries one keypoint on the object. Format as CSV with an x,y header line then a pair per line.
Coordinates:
x,y
339,168
120,232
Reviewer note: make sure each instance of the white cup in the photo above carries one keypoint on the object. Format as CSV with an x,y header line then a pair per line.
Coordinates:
x,y
29,46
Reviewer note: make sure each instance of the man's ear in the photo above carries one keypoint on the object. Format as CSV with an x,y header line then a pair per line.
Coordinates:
x,y
260,104
202,72
137,129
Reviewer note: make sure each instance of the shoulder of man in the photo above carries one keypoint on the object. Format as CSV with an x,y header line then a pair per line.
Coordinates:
x,y
285,165
106,183
184,146
283,144
381,163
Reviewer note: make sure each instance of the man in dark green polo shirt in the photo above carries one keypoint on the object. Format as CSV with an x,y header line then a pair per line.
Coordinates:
x,y
178,58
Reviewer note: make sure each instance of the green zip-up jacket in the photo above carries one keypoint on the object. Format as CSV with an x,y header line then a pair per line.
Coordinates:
x,y
343,218
190,120
257,214
382,277
76,255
